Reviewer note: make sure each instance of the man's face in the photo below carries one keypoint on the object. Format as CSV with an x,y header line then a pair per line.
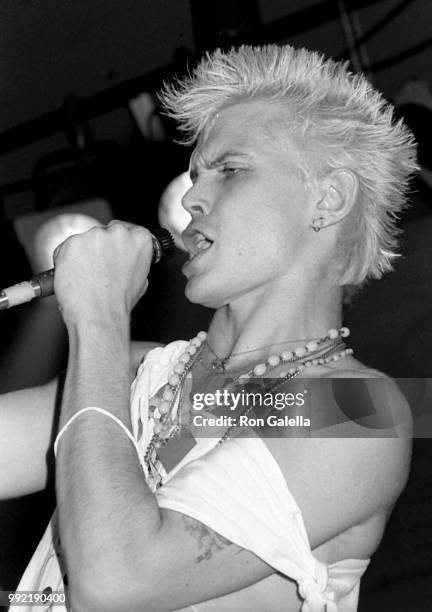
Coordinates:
x,y
249,200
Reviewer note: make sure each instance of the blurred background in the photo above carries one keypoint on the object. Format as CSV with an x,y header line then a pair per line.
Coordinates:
x,y
82,141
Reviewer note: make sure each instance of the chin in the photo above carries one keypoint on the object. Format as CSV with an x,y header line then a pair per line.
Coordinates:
x,y
202,295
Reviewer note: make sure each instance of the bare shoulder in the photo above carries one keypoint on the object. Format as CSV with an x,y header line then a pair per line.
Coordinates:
x,y
387,401
350,367
358,454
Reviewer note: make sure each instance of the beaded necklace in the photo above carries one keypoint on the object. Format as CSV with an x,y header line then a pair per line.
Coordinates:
x,y
311,346
166,411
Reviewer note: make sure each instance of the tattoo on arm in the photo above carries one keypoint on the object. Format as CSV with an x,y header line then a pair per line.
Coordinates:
x,y
209,542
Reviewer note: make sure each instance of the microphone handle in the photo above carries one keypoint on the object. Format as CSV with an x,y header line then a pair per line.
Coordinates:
x,y
41,285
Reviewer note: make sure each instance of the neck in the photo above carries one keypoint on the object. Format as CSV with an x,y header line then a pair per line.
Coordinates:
x,y
277,321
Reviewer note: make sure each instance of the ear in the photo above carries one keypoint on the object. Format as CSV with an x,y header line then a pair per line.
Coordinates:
x,y
340,190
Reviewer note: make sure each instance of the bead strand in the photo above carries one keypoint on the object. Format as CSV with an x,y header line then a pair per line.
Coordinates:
x,y
175,384
313,353
297,354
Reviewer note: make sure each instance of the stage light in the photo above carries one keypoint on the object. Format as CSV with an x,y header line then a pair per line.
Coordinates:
x,y
40,233
55,231
171,213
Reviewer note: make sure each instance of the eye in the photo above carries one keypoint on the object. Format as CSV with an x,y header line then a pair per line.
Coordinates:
x,y
228,170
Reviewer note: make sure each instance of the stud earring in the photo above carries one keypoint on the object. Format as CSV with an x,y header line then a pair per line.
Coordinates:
x,y
317,224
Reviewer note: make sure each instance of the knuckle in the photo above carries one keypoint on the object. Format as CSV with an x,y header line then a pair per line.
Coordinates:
x,y
142,234
116,226
95,231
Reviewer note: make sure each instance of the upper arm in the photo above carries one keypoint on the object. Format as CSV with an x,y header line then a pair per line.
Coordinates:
x,y
185,562
341,482
27,424
356,461
199,564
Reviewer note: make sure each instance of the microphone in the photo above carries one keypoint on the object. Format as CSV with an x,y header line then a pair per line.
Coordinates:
x,y
42,285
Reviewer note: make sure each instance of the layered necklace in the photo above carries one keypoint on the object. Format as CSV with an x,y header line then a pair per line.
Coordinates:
x,y
309,349
170,413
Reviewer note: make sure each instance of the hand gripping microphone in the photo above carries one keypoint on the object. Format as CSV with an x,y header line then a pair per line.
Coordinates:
x,y
42,285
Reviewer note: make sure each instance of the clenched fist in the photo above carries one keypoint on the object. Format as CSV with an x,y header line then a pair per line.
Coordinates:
x,y
103,270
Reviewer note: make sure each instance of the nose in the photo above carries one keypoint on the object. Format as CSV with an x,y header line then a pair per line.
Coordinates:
x,y
195,201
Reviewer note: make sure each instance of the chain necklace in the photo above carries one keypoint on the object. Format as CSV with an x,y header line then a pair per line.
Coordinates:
x,y
166,411
312,345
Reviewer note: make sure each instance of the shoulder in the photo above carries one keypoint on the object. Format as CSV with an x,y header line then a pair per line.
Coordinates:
x,y
350,367
382,408
360,440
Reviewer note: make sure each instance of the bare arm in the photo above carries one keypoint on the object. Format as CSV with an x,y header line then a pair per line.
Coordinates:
x,y
118,544
27,421
28,425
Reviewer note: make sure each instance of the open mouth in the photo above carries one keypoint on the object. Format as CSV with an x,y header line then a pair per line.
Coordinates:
x,y
196,243
201,244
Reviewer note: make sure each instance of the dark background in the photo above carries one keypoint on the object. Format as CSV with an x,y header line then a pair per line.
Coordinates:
x,y
68,70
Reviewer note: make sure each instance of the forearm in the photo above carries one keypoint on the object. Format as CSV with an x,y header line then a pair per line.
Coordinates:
x,y
106,510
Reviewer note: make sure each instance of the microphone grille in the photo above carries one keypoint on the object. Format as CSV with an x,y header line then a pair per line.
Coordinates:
x,y
165,240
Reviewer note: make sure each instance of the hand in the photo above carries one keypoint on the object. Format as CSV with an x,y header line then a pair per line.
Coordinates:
x,y
52,233
103,270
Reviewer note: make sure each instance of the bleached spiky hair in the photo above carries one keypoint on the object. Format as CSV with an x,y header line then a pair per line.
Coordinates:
x,y
335,114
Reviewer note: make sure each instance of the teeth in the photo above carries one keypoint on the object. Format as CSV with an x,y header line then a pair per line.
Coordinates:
x,y
201,244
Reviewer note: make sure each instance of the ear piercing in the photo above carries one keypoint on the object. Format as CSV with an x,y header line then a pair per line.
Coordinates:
x,y
317,224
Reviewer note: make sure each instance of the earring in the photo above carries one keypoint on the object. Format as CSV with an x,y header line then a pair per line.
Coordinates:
x,y
317,224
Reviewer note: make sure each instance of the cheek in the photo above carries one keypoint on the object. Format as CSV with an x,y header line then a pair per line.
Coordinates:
x,y
262,226
252,241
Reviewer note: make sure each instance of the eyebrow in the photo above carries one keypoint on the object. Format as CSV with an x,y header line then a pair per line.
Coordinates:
x,y
217,161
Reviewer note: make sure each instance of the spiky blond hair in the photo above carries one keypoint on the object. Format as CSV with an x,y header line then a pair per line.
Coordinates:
x,y
335,114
